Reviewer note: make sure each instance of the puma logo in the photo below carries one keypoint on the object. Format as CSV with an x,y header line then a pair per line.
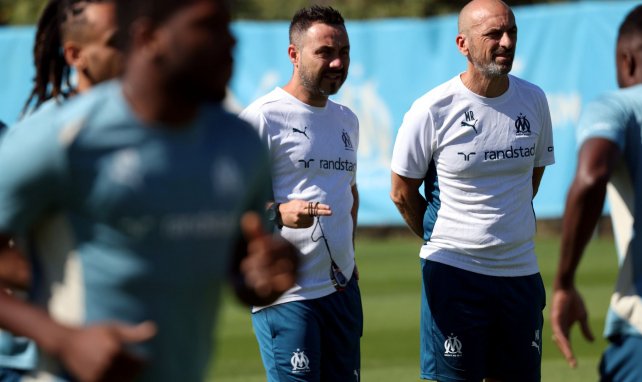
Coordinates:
x,y
464,123
536,345
295,130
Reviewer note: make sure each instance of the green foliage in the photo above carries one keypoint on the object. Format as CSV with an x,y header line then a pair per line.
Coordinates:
x,y
356,9
20,12
27,11
390,285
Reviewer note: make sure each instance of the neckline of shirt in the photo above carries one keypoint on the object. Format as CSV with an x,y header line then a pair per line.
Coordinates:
x,y
315,109
506,96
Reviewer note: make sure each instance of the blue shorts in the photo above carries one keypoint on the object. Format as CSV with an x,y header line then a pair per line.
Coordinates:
x,y
11,375
475,326
622,360
312,340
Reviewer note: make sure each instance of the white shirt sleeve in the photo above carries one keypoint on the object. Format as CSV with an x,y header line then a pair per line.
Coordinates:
x,y
255,118
545,154
413,149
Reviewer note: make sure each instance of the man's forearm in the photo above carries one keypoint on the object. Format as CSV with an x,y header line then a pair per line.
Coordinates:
x,y
23,319
412,207
354,211
583,209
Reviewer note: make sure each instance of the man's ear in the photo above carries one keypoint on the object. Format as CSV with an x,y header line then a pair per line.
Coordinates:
x,y
635,67
293,54
71,51
144,37
462,44
626,68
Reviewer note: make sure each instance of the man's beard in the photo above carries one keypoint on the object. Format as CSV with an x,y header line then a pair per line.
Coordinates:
x,y
313,84
493,69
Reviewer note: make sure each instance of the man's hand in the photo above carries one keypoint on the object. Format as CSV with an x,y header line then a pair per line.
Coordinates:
x,y
568,307
300,213
98,353
271,264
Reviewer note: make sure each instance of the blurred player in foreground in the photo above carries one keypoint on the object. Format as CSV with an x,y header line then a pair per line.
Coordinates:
x,y
76,36
609,133
131,196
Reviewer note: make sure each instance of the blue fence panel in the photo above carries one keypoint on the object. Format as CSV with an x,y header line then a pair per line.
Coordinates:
x,y
567,49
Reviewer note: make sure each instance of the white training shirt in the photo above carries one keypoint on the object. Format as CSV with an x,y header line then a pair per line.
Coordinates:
x,y
476,156
314,158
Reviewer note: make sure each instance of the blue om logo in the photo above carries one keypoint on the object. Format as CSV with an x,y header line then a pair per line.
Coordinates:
x,y
522,126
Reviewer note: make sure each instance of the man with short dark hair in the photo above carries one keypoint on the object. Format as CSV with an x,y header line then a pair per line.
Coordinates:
x,y
131,197
609,137
478,144
312,332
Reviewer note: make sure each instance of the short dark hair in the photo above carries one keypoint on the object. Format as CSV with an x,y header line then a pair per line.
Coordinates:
x,y
304,18
157,11
632,24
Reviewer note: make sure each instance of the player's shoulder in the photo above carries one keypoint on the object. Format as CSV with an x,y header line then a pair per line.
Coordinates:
x,y
615,104
523,86
267,104
631,95
225,121
437,97
49,122
226,126
343,111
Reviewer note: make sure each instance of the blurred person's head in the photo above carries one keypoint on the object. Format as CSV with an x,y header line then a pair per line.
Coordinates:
x,y
74,34
628,56
320,51
487,37
184,47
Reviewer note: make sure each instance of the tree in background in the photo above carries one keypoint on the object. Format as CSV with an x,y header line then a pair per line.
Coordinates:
x,y
18,12
357,9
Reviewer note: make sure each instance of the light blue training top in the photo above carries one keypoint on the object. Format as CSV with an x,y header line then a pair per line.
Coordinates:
x,y
19,352
131,222
617,116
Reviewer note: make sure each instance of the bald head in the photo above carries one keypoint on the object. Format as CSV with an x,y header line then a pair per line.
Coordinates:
x,y
477,11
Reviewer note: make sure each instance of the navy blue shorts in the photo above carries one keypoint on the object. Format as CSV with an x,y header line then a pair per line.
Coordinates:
x,y
622,360
475,326
312,340
11,375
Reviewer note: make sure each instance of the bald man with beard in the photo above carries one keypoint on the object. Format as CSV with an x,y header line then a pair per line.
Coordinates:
x,y
478,144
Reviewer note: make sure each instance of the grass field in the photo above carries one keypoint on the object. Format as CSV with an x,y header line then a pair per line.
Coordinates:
x,y
390,286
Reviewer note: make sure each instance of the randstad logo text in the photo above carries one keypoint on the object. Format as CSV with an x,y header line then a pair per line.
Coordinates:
x,y
510,153
328,164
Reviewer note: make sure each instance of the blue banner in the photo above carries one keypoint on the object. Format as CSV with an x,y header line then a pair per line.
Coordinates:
x,y
566,49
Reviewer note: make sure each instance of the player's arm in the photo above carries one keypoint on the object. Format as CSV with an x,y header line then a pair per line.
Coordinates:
x,y
95,353
584,204
264,266
354,211
409,201
538,173
15,271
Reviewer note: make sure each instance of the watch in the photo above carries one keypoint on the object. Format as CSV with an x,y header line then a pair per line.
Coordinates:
x,y
274,215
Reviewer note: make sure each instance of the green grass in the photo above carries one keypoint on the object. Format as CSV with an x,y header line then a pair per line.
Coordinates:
x,y
390,287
